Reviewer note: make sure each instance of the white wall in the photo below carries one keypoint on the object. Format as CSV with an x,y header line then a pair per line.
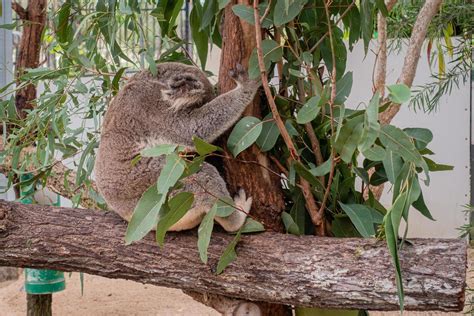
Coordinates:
x,y
449,190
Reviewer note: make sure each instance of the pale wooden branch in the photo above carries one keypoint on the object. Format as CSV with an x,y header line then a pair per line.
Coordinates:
x,y
427,12
348,273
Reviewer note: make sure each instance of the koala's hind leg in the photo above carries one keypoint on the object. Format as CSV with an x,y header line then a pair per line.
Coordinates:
x,y
205,181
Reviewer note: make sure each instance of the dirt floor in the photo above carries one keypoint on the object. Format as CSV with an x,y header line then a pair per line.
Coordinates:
x,y
119,297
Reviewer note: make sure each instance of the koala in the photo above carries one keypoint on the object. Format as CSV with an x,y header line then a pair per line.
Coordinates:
x,y
169,108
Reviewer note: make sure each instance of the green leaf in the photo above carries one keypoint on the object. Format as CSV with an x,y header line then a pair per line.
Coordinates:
x,y
322,169
272,52
170,174
223,4
290,224
371,124
246,13
252,226
9,26
177,208
374,153
348,139
145,215
203,148
422,136
228,255
244,134
151,62
204,233
397,141
363,217
344,87
392,164
200,36
158,150
420,205
433,166
308,176
225,207
284,14
382,7
309,111
399,93
392,236
269,135
398,209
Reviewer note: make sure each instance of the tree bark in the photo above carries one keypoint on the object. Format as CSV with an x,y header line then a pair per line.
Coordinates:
x,y
39,305
238,42
298,270
34,19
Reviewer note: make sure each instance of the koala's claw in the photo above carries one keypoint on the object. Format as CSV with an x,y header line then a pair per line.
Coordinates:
x,y
239,73
241,201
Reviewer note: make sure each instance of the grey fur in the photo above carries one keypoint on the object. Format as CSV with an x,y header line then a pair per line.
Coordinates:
x,y
168,109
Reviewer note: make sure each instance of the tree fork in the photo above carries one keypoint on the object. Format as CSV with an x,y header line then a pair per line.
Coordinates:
x,y
349,273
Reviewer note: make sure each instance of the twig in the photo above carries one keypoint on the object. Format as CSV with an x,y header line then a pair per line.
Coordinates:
x,y
316,217
337,22
331,105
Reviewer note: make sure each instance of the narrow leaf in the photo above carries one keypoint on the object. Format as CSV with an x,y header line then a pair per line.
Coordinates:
x,y
244,134
228,255
177,208
204,233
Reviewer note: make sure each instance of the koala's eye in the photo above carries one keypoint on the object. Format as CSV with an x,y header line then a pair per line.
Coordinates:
x,y
191,79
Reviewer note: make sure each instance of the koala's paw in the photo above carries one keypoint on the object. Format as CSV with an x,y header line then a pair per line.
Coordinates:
x,y
241,201
239,74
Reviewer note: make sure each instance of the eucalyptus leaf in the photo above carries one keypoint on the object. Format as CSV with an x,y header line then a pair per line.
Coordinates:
x,y
363,217
290,224
244,134
399,93
252,226
225,206
145,215
392,164
158,150
228,255
309,111
203,148
204,233
284,14
177,208
269,135
170,174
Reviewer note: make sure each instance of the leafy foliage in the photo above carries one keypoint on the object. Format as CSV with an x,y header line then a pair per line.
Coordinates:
x,y
96,46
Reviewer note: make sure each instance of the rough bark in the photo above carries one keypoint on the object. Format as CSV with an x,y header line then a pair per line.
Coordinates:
x,y
238,41
303,271
33,19
39,305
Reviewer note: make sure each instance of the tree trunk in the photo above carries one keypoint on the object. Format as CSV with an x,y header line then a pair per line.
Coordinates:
x,y
39,305
28,56
352,273
238,41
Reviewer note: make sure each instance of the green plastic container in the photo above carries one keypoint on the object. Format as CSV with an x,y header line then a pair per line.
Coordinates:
x,y
44,281
40,281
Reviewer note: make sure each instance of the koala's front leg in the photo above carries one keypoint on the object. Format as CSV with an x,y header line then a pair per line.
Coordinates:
x,y
217,116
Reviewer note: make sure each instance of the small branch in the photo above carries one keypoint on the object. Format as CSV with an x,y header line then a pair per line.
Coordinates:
x,y
316,216
315,146
427,12
20,11
331,107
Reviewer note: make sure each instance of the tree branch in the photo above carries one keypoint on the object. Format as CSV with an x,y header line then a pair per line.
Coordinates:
x,y
345,273
427,12
315,213
20,11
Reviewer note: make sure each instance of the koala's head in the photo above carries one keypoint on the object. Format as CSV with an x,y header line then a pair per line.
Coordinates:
x,y
186,86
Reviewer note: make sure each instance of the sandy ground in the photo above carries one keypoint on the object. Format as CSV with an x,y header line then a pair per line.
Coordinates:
x,y
120,297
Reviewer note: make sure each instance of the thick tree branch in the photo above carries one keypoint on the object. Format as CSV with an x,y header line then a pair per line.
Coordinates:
x,y
427,12
19,10
298,270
